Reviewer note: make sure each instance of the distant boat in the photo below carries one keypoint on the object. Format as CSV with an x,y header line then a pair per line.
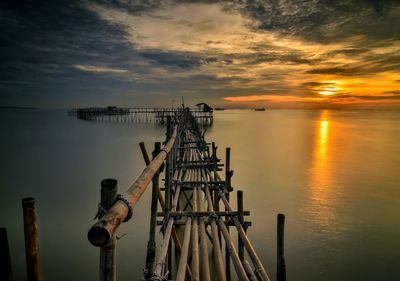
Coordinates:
x,y
259,109
219,109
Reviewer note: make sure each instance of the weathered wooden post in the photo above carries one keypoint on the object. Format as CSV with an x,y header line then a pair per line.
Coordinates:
x,y
280,265
241,220
214,151
31,239
168,195
5,260
228,187
107,252
151,246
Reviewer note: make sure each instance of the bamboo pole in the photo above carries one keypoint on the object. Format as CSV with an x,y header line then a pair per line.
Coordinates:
x,y
31,239
247,243
5,259
240,209
158,272
204,263
177,243
168,194
219,264
232,252
180,276
151,246
104,228
249,271
195,241
280,266
228,187
107,252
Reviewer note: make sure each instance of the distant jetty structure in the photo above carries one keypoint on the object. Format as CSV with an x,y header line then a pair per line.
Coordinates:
x,y
202,112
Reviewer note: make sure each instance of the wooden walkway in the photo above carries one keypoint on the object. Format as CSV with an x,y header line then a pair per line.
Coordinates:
x,y
192,209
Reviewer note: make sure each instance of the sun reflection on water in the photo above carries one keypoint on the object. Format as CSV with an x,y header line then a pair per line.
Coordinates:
x,y
321,189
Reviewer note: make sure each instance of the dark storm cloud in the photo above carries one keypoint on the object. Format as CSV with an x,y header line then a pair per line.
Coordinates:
x,y
326,21
39,42
173,60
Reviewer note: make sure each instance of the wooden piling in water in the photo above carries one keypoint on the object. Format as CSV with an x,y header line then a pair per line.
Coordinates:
x,y
241,219
228,187
31,239
151,246
5,259
107,252
280,265
168,192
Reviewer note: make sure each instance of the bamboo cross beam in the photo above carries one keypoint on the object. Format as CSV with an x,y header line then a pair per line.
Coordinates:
x,y
205,213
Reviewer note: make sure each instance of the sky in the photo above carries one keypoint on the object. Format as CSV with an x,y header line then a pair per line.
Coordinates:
x,y
234,54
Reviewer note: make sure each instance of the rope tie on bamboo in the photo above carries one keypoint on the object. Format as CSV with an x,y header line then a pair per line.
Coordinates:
x,y
100,211
235,216
257,271
214,216
124,199
162,149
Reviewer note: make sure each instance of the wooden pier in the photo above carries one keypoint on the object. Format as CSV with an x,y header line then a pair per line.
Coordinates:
x,y
192,209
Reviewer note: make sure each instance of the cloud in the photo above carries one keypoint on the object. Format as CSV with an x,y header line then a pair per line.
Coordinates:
x,y
99,69
139,51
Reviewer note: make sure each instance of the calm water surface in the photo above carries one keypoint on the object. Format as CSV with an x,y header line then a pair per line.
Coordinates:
x,y
335,174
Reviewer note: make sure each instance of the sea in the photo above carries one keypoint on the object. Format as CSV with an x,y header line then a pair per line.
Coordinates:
x,y
335,174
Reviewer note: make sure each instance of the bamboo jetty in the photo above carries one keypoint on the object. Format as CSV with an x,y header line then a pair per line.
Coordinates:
x,y
195,214
193,211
